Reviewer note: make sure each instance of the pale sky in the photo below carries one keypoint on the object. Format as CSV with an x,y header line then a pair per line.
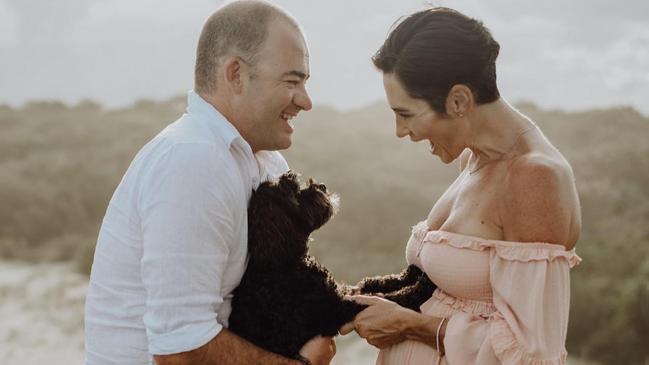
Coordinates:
x,y
573,55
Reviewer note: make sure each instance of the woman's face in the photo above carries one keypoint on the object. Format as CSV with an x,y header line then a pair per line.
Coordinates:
x,y
416,119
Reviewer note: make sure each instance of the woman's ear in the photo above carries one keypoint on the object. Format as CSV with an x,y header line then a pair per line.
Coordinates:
x,y
459,101
232,74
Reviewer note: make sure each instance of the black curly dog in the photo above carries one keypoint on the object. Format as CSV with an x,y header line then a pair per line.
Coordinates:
x,y
285,297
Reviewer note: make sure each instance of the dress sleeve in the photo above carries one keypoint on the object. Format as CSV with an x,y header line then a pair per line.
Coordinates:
x,y
531,293
187,208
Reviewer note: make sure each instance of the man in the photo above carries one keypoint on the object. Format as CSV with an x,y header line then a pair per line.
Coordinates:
x,y
173,243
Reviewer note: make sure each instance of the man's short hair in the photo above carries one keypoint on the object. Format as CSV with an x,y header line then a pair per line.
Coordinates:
x,y
240,27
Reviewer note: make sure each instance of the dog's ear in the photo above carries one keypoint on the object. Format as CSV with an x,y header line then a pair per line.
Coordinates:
x,y
289,185
278,192
274,237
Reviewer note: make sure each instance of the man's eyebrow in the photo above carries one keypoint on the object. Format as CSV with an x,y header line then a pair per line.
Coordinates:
x,y
299,74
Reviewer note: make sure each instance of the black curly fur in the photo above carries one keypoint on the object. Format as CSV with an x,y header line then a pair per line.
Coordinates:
x,y
409,289
285,297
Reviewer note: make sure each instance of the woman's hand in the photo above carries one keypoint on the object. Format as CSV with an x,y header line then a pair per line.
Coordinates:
x,y
319,350
382,323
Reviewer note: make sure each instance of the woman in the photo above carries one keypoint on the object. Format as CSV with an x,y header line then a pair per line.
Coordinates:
x,y
500,241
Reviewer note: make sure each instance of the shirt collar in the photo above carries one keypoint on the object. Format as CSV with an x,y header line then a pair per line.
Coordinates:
x,y
216,121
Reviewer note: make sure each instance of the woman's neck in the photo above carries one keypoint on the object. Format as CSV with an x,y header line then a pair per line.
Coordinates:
x,y
497,129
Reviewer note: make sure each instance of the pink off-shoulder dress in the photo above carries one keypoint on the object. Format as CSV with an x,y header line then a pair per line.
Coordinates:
x,y
506,302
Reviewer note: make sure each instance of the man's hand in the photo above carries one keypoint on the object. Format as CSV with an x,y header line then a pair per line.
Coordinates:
x,y
319,350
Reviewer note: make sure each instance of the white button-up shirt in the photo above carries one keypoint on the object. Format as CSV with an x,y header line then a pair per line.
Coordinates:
x,y
173,242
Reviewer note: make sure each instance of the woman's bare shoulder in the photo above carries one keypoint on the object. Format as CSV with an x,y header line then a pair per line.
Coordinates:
x,y
539,170
539,203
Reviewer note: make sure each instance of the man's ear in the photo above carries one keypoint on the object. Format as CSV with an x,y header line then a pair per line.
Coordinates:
x,y
232,74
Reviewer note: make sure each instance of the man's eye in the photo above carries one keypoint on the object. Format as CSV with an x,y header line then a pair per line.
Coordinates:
x,y
293,82
405,116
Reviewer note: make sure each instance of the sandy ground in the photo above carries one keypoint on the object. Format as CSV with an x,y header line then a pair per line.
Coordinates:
x,y
41,314
41,318
352,349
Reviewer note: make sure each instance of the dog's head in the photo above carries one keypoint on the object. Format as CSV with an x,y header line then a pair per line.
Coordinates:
x,y
283,213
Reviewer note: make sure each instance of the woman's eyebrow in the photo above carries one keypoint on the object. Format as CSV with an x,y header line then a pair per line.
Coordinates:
x,y
400,110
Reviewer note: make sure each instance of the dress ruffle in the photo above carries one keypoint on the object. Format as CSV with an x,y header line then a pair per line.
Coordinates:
x,y
507,250
509,351
442,304
485,332
419,230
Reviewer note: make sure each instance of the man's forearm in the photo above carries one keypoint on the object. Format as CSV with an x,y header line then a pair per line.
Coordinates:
x,y
225,348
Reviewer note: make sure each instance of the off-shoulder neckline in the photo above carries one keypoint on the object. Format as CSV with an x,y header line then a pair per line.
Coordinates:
x,y
502,243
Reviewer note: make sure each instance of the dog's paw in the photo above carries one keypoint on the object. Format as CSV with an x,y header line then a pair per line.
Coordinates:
x,y
349,289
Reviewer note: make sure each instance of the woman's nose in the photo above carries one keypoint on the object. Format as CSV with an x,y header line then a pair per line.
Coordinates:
x,y
402,130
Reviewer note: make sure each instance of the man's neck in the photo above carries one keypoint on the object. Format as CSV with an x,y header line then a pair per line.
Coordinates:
x,y
223,104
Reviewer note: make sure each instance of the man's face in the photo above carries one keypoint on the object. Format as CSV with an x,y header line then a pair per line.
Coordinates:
x,y
276,91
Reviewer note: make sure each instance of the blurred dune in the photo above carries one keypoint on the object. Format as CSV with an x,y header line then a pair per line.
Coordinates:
x,y
59,165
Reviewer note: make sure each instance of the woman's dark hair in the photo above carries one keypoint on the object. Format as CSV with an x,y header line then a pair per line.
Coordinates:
x,y
432,50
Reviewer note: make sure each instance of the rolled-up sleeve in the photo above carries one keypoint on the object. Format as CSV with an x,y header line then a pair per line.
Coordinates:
x,y
186,208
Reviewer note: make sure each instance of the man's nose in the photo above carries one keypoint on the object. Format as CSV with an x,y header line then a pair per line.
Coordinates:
x,y
303,100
